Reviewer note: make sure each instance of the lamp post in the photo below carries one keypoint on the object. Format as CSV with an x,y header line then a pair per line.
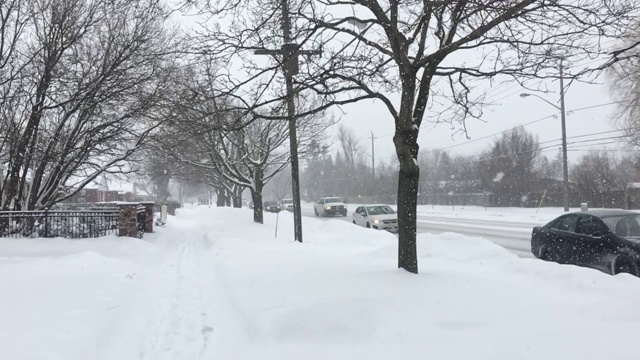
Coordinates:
x,y
565,166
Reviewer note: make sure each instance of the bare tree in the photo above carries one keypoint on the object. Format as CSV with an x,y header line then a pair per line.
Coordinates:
x,y
433,53
595,173
625,85
350,145
85,94
231,147
352,152
420,59
280,185
510,167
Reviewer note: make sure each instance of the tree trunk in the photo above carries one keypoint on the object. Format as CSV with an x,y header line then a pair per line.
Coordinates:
x,y
256,196
258,214
407,207
220,195
408,181
227,199
237,198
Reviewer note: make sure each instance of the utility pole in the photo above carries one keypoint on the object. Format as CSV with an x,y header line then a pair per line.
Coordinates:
x,y
565,166
290,52
373,168
561,108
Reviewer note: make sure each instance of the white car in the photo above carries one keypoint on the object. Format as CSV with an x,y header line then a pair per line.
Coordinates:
x,y
377,216
287,204
330,206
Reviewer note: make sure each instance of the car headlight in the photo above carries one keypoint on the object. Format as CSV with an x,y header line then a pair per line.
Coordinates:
x,y
328,208
376,221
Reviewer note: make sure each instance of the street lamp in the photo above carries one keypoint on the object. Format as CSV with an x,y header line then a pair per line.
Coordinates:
x,y
524,95
565,166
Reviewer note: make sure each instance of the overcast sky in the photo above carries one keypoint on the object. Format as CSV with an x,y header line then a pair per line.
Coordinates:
x,y
510,110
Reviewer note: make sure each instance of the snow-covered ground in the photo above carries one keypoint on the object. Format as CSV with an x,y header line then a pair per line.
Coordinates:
x,y
511,214
532,216
214,285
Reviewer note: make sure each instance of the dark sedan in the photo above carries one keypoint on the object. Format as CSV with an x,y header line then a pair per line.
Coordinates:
x,y
272,206
607,240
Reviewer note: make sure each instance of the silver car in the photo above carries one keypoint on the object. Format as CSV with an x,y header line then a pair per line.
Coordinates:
x,y
287,204
376,216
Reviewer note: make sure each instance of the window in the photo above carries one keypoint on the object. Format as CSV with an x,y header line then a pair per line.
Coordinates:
x,y
623,225
332,200
360,210
588,225
380,210
567,223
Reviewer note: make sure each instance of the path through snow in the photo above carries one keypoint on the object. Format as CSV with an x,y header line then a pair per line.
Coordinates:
x,y
172,312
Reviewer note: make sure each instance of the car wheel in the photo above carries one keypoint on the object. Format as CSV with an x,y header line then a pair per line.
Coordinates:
x,y
354,222
623,264
316,212
368,225
551,255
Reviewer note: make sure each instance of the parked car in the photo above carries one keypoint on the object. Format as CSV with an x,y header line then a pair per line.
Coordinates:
x,y
287,204
607,240
378,216
330,206
271,206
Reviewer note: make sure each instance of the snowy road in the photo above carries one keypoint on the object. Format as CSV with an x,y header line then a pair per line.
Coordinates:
x,y
510,235
514,236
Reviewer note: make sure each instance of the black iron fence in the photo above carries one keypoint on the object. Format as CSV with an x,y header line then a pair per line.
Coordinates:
x,y
71,224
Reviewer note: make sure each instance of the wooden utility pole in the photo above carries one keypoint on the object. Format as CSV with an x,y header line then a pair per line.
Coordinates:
x,y
290,52
565,166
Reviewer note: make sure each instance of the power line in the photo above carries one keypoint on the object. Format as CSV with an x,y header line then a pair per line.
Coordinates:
x,y
523,125
597,144
608,150
492,135
589,140
542,149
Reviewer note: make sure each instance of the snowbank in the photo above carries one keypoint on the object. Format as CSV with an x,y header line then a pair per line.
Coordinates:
x,y
511,214
214,285
58,297
339,296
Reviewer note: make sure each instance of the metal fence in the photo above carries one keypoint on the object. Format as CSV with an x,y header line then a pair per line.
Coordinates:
x,y
69,224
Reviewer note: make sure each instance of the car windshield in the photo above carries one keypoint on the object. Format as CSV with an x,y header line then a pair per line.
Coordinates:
x,y
287,201
380,210
332,200
624,225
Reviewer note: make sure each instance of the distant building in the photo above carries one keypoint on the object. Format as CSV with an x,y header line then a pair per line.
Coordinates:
x,y
92,196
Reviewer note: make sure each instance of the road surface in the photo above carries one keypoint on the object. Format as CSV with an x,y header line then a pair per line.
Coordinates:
x,y
514,236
